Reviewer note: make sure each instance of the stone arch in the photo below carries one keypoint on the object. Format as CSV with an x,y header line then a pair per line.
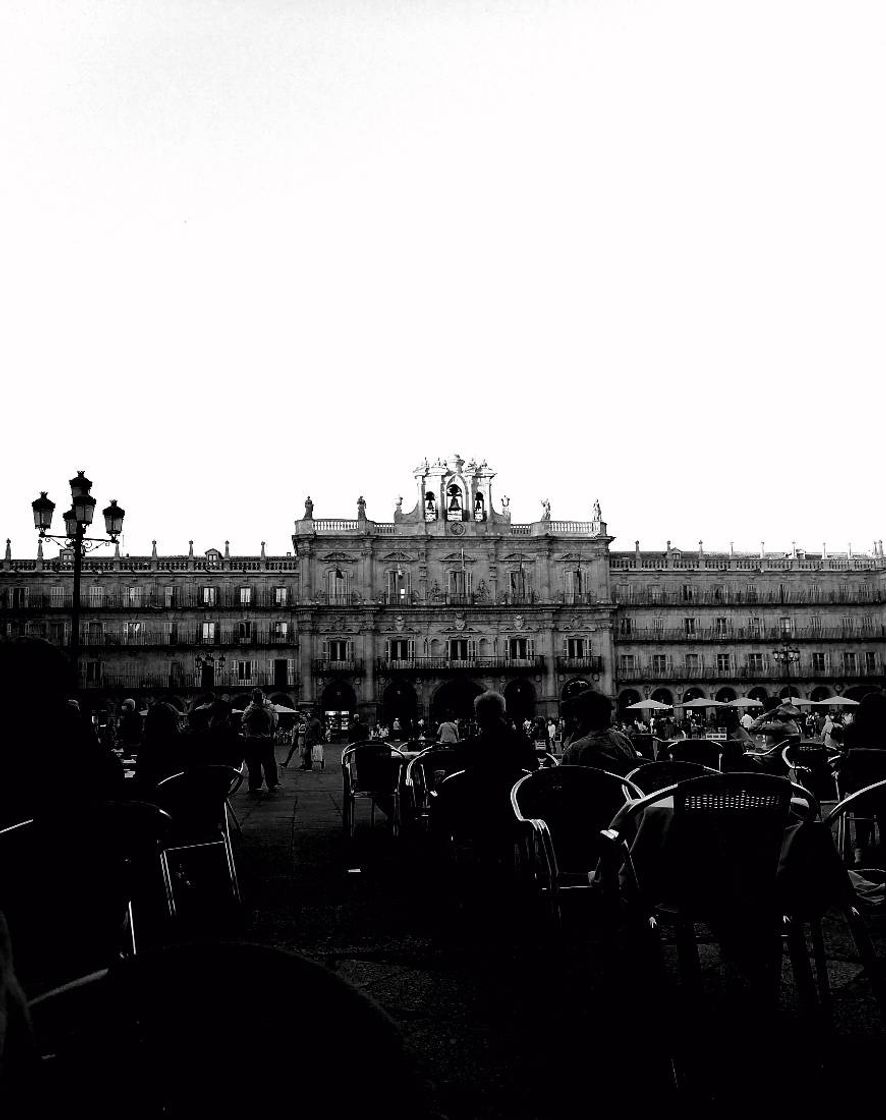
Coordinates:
x,y
520,698
758,693
663,696
726,694
400,702
789,690
820,692
338,696
577,684
627,697
859,691
693,693
283,698
455,696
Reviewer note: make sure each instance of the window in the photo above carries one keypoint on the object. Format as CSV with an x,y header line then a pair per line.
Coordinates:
x,y
245,596
244,671
819,662
94,633
686,592
848,624
870,661
210,596
93,672
338,650
659,663
281,631
281,595
132,632
520,585
459,649
850,661
657,625
690,662
690,627
815,623
336,588
754,661
867,623
172,633
786,627
56,596
575,647
209,633
168,597
134,596
575,581
626,662
520,649
460,583
724,663
20,596
58,632
400,649
244,631
625,627
721,627
398,585
757,627
96,596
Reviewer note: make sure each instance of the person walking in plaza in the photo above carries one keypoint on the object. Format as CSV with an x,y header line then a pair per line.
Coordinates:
x,y
129,729
258,723
298,741
447,732
313,739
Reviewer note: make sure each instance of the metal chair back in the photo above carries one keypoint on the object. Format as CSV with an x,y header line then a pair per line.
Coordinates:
x,y
652,776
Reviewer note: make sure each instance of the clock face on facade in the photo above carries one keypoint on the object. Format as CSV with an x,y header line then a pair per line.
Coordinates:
x,y
457,529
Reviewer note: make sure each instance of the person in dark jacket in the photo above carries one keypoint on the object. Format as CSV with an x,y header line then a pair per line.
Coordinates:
x,y
497,747
594,741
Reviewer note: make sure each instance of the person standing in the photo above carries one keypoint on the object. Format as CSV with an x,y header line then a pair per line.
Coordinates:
x,y
129,729
447,732
258,723
313,738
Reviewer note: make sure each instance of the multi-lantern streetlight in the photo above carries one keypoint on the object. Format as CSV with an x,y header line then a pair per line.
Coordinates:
x,y
77,520
787,655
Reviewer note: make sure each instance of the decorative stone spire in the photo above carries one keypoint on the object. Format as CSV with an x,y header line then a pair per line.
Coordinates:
x,y
153,550
701,548
732,548
190,550
824,552
227,550
762,549
8,555
116,550
263,551
40,551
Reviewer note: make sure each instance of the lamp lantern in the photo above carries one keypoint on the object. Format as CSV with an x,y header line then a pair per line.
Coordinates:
x,y
84,508
42,508
113,516
70,524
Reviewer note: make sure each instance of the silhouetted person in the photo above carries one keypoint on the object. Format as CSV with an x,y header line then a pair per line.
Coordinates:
x,y
594,741
258,723
218,742
498,747
162,751
130,728
49,753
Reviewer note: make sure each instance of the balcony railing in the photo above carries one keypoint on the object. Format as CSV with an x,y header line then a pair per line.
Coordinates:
x,y
706,597
764,671
450,664
336,665
753,634
590,664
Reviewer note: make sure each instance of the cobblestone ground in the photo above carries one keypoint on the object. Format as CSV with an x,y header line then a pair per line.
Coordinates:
x,y
505,1026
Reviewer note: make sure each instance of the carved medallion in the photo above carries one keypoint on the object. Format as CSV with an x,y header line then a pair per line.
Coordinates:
x,y
519,622
457,529
399,623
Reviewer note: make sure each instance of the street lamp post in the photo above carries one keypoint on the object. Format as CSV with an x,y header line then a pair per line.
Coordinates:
x,y
787,655
77,520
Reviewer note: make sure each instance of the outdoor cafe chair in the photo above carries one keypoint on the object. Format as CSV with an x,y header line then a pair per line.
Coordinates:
x,y
423,774
197,801
812,764
562,813
704,751
76,883
645,745
652,776
371,771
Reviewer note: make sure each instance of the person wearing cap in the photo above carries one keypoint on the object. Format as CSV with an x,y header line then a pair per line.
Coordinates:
x,y
779,724
594,742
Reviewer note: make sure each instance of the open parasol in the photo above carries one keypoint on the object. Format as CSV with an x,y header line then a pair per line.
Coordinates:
x,y
650,705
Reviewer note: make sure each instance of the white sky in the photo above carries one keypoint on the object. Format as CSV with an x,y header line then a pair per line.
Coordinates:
x,y
252,250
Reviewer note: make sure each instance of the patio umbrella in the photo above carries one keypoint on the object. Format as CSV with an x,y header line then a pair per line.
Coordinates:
x,y
745,702
702,703
651,705
282,710
797,701
838,701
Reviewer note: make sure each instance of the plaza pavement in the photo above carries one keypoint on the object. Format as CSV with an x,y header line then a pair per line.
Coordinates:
x,y
499,1031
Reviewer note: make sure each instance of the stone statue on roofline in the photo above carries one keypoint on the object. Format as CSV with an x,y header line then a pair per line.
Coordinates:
x,y
309,509
546,509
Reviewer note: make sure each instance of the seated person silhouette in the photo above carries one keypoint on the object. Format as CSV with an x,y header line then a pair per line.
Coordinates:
x,y
593,741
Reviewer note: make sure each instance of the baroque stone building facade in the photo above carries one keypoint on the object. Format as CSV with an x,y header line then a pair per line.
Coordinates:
x,y
417,615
